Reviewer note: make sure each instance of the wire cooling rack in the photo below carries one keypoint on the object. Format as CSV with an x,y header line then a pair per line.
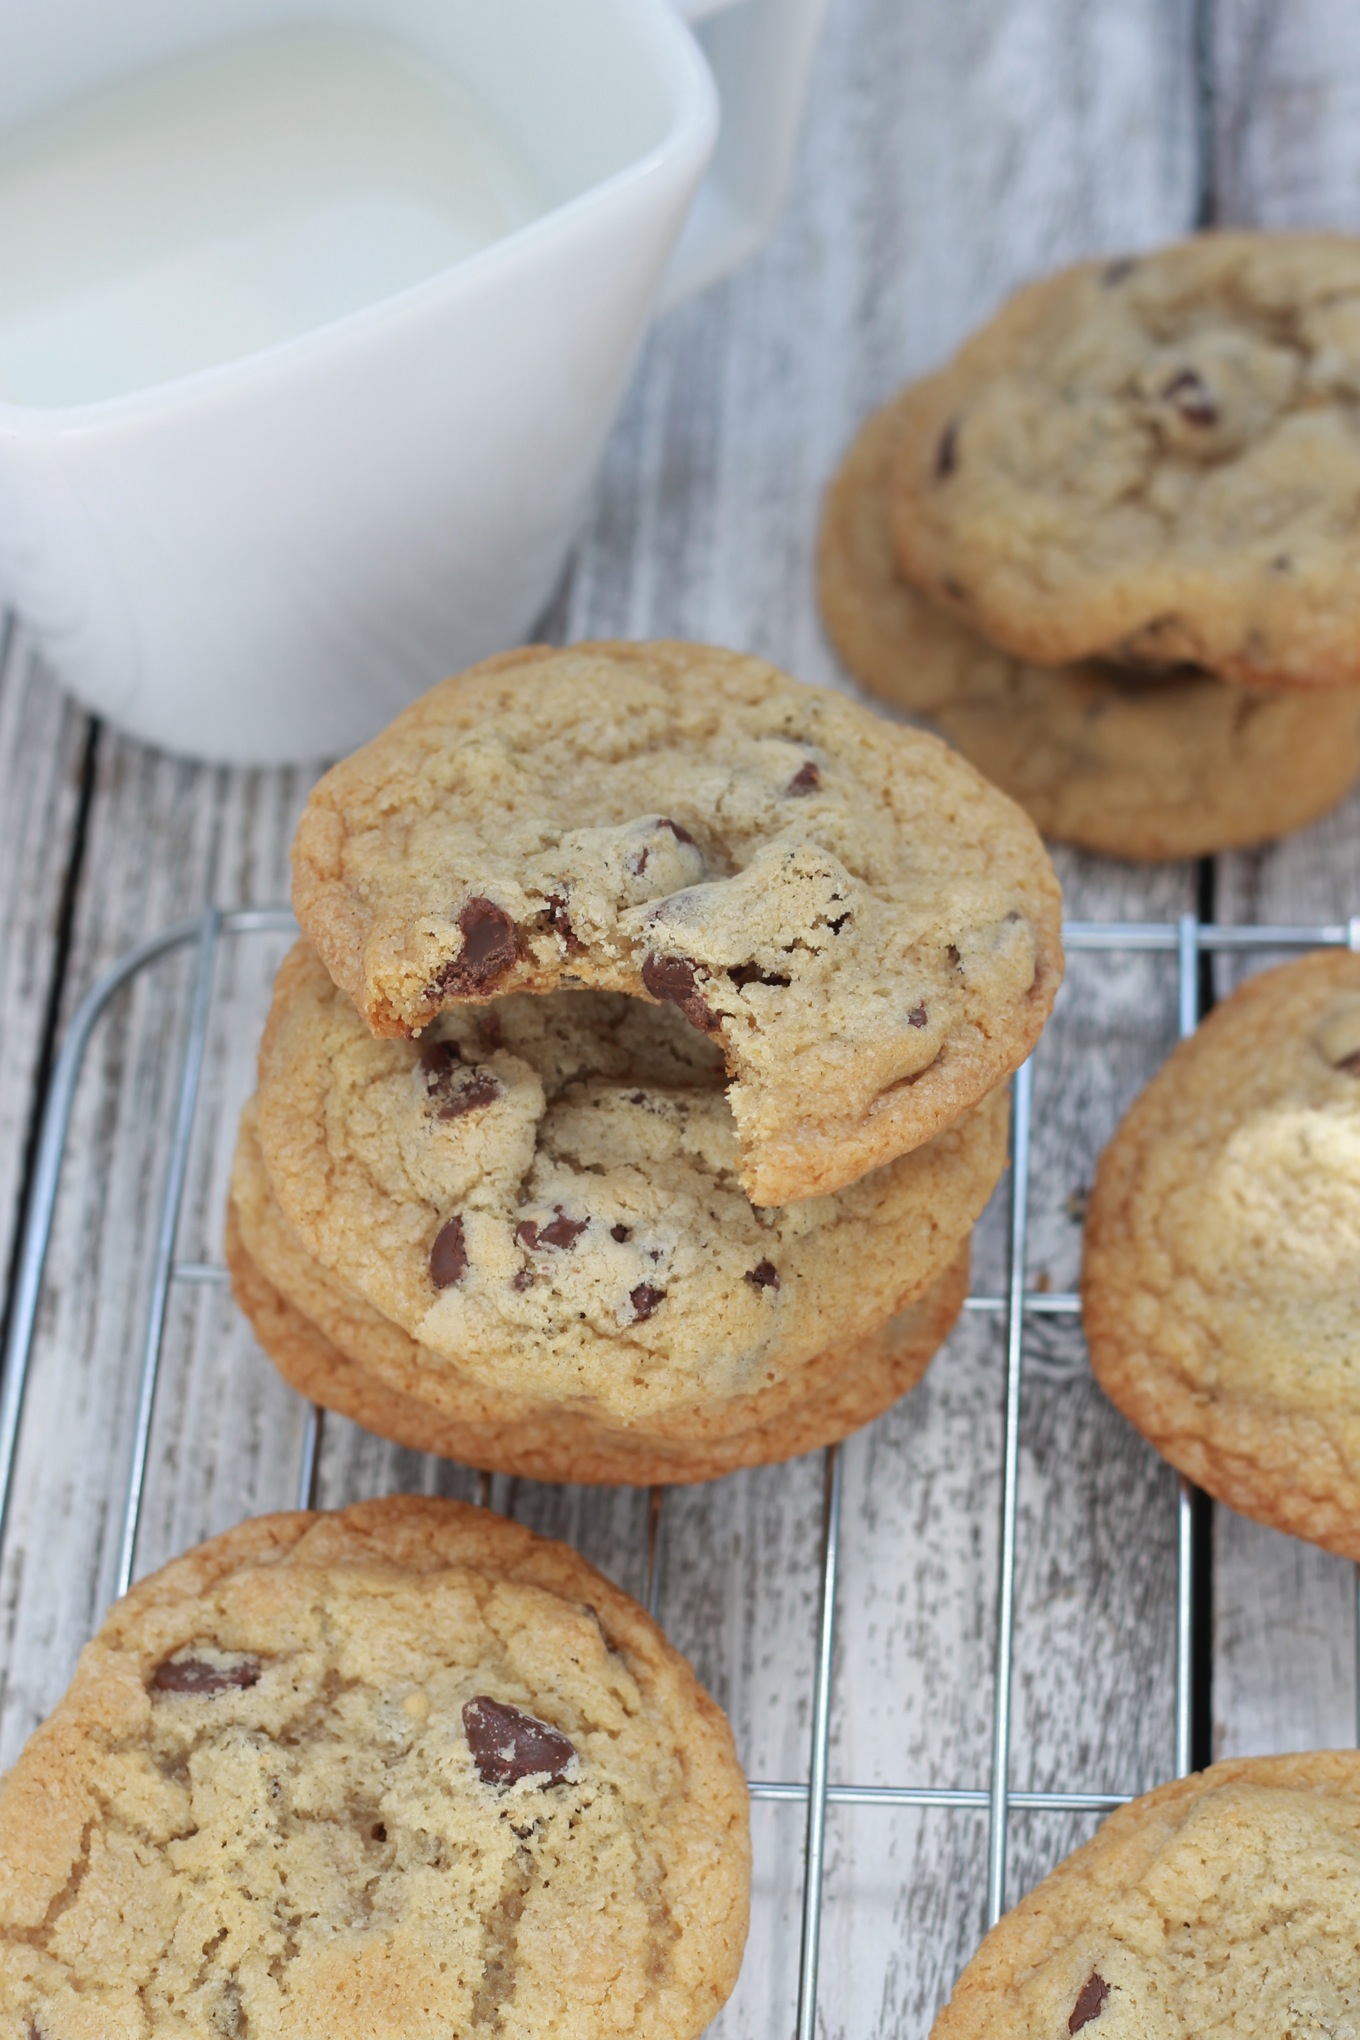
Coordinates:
x,y
1188,940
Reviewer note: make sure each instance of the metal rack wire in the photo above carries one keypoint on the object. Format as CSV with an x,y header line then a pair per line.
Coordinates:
x,y
1188,940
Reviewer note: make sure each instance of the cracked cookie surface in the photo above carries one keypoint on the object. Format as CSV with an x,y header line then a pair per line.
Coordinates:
x,y
868,932
405,1770
1154,460
1226,1904
337,1350
1126,762
543,1192
1221,1270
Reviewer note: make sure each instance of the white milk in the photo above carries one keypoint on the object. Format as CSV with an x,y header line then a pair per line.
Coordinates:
x,y
232,199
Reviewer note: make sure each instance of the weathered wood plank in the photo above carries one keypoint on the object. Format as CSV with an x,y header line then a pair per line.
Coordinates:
x,y
42,750
1287,98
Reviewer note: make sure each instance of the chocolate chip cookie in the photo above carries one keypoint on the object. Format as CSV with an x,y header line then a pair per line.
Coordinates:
x,y
1221,1286
867,933
402,1770
1226,1904
337,1350
1156,460
1120,760
543,1192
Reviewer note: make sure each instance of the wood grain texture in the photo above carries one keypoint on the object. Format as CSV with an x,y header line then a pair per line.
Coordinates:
x,y
1287,102
42,745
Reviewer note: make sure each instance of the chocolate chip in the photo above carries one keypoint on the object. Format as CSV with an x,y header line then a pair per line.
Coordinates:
x,y
439,1059
559,920
1090,2002
644,1300
490,1028
640,861
671,979
526,1232
481,1089
1350,1064
752,974
918,1017
806,779
680,835
763,1276
1117,272
489,947
947,452
637,1097
507,1744
620,1233
448,1255
562,1231
1188,392
522,1279
195,1675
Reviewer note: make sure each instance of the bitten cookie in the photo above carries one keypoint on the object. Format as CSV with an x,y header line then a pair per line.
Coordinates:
x,y
1227,1904
1221,1285
405,1770
544,1194
1122,761
1153,459
867,931
336,1350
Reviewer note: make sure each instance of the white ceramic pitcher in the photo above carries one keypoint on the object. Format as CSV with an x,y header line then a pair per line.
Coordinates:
x,y
263,561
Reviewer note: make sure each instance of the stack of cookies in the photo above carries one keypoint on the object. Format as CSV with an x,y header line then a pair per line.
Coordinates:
x,y
1109,548
625,1109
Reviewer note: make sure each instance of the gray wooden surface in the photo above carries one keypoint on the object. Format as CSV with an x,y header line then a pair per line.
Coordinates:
x,y
952,148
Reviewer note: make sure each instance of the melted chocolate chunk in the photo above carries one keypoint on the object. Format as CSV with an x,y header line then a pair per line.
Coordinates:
x,y
1090,2002
490,945
507,1744
640,861
1350,1064
806,779
562,1231
752,974
439,1059
490,1028
559,920
526,1232
644,1300
1189,393
918,1017
1117,272
681,835
620,1233
947,452
195,1675
763,1276
448,1255
671,979
481,1089
523,1279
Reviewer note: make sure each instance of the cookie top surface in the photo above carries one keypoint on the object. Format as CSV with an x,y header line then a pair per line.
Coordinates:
x,y
324,1338
1115,759
1221,1277
1225,1904
403,1770
1154,459
870,933
336,1350
544,1192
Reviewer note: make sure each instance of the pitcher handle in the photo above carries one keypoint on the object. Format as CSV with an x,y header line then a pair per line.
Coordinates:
x,y
760,54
